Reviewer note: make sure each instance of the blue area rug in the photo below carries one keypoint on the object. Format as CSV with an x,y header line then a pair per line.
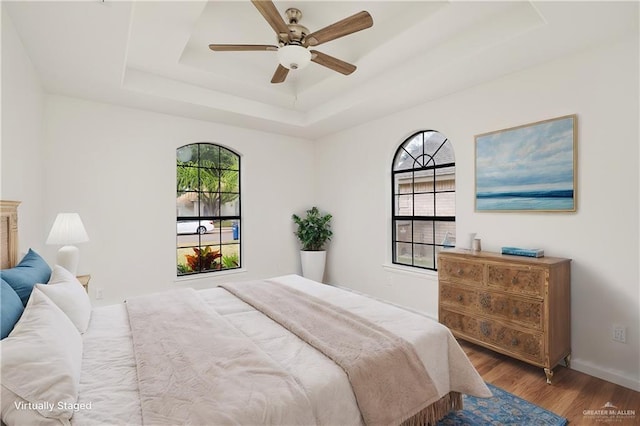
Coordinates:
x,y
502,409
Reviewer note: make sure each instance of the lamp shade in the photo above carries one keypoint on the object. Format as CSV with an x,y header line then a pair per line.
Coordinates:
x,y
67,229
294,57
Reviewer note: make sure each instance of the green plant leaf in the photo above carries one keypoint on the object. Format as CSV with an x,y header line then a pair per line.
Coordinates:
x,y
314,230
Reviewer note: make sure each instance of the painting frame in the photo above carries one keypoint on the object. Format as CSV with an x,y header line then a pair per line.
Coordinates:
x,y
528,168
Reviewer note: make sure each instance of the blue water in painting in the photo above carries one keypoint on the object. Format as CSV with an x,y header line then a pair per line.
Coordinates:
x,y
527,200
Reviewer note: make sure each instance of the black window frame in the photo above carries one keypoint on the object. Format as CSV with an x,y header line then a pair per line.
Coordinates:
x,y
235,219
423,166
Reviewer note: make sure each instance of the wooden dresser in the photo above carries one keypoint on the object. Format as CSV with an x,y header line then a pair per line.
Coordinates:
x,y
515,305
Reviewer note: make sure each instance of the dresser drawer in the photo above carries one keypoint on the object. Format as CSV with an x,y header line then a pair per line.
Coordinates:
x,y
458,297
517,279
527,345
525,312
461,271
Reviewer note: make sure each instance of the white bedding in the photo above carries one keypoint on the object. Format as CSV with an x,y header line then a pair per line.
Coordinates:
x,y
108,384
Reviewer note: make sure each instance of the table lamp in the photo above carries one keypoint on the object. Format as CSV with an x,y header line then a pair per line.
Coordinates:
x,y
68,230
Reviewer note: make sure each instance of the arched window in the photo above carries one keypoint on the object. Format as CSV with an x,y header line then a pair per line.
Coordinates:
x,y
208,221
424,210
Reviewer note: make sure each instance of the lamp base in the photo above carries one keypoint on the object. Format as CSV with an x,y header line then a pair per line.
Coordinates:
x,y
68,257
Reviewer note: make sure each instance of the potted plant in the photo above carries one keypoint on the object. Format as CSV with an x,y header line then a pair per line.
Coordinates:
x,y
313,232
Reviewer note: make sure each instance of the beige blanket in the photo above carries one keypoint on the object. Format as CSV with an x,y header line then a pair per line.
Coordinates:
x,y
388,379
194,367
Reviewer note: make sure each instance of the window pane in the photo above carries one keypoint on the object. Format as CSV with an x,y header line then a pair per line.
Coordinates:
x,y
209,156
187,154
209,180
446,204
212,234
227,232
210,258
446,173
186,203
187,178
403,253
229,181
414,147
403,183
423,232
445,154
229,160
230,204
404,205
446,230
423,256
230,256
426,177
403,161
423,205
403,230
445,184
209,204
433,143
422,186
185,262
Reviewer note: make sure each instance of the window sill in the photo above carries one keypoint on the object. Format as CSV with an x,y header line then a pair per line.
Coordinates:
x,y
207,276
408,270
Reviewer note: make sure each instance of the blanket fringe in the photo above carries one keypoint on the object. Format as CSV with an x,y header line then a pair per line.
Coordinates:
x,y
434,412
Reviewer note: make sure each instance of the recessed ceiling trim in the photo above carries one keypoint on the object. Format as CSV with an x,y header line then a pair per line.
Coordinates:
x,y
163,87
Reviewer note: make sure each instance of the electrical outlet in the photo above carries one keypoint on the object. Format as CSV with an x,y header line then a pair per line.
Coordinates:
x,y
619,334
98,293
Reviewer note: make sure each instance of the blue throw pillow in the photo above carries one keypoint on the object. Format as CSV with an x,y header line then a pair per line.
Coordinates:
x,y
10,309
31,270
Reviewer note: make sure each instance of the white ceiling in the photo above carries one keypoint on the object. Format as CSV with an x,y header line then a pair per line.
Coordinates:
x,y
154,54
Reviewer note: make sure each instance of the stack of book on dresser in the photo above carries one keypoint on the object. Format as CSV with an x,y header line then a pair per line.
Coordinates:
x,y
523,251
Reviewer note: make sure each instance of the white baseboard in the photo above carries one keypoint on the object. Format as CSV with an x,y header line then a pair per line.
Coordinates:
x,y
613,376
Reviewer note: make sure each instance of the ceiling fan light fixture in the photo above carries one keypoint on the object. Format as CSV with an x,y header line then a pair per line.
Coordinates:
x,y
294,57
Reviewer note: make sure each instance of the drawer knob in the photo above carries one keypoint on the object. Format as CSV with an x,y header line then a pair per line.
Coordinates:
x,y
460,298
514,280
514,342
516,311
485,329
485,300
460,271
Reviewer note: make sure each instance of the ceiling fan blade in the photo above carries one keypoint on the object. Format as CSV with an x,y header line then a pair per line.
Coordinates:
x,y
332,63
350,25
241,47
270,13
280,75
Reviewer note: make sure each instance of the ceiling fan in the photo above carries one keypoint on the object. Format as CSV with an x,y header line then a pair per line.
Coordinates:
x,y
294,40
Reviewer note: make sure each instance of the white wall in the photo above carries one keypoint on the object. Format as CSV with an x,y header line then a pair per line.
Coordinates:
x,y
353,182
21,151
115,166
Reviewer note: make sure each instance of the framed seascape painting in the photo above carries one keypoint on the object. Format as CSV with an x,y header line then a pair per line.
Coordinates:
x,y
528,168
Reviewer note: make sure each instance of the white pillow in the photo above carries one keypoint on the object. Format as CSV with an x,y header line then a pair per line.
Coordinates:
x,y
67,293
41,361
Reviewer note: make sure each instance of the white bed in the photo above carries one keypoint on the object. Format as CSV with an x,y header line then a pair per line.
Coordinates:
x,y
113,392
98,372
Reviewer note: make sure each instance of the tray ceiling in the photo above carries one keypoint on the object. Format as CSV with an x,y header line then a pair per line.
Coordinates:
x,y
155,55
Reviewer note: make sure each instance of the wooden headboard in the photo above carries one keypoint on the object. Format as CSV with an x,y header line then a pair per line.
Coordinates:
x,y
9,234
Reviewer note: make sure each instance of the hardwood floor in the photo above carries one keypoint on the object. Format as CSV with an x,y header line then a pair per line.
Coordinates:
x,y
573,395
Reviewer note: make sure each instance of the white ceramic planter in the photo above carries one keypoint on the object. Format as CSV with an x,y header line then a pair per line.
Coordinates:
x,y
313,264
